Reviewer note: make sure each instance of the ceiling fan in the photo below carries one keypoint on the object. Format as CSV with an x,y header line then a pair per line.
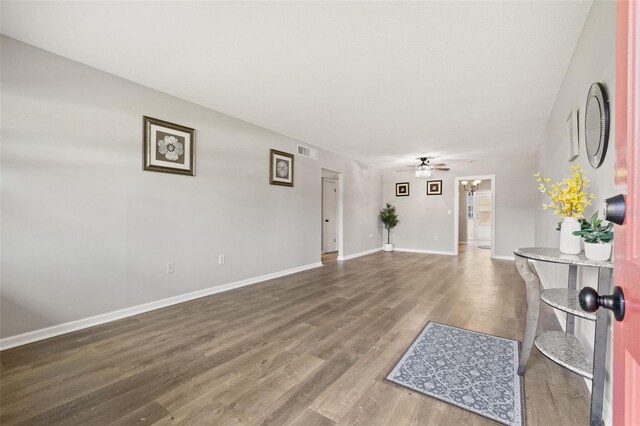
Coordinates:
x,y
425,168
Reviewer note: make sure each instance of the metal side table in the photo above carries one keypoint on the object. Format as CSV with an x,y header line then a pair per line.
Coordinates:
x,y
559,346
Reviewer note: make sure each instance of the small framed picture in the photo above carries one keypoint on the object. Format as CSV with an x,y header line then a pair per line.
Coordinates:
x,y
434,187
168,147
402,189
573,139
280,168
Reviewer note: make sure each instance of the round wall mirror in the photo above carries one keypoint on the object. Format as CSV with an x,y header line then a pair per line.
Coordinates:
x,y
596,124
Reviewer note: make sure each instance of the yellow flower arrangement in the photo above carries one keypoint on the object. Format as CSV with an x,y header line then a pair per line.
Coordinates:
x,y
569,197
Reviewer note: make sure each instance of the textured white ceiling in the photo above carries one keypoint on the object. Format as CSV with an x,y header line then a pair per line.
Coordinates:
x,y
380,82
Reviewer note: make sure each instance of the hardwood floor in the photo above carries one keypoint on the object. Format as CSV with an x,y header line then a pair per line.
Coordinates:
x,y
329,257
308,349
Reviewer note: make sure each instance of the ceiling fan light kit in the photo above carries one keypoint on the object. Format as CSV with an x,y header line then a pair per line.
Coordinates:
x,y
423,172
425,169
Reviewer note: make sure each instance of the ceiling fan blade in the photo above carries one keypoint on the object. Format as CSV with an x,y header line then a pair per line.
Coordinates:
x,y
405,170
446,169
437,165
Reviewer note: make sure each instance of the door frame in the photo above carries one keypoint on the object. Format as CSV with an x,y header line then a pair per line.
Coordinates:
x,y
340,199
334,181
456,210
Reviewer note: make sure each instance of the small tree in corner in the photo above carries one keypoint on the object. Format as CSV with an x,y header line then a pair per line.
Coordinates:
x,y
389,219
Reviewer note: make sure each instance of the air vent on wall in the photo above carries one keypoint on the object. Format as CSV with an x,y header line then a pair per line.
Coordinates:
x,y
307,152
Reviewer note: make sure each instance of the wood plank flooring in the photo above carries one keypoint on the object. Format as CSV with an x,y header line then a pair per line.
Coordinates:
x,y
308,349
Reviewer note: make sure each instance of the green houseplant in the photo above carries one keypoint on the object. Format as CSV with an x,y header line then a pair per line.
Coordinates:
x,y
389,219
597,238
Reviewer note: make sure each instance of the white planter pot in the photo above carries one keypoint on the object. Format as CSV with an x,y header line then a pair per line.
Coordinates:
x,y
569,243
388,247
597,251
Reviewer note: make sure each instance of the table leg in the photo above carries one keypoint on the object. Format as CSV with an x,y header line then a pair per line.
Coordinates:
x,y
572,285
533,310
600,350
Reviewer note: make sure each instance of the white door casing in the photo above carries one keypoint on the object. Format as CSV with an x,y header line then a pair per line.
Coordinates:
x,y
457,190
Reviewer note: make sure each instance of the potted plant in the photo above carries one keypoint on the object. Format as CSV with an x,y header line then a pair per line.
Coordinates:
x,y
583,225
597,238
568,200
389,219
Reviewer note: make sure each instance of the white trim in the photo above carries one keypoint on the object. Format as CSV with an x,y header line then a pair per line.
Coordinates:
x,y
500,257
67,327
408,250
456,211
607,407
473,242
361,253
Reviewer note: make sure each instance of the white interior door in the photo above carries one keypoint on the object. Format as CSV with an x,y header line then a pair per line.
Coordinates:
x,y
329,215
483,216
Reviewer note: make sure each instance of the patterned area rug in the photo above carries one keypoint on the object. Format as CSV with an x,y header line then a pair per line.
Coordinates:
x,y
474,371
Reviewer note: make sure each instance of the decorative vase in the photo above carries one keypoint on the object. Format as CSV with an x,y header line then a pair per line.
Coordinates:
x,y
597,251
569,243
388,247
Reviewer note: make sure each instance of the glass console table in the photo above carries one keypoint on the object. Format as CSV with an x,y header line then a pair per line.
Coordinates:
x,y
563,347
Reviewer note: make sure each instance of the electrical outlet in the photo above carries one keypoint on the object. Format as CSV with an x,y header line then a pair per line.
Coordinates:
x,y
435,238
371,236
221,259
449,212
171,268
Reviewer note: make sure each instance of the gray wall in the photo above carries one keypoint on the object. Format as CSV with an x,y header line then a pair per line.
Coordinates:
x,y
85,231
593,61
423,217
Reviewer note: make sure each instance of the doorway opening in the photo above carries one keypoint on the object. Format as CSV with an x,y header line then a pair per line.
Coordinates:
x,y
331,226
475,206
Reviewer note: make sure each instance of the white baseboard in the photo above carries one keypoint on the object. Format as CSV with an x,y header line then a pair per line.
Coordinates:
x,y
56,330
361,253
446,253
500,257
478,242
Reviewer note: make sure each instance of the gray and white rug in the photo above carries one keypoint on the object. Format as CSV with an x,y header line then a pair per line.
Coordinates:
x,y
474,371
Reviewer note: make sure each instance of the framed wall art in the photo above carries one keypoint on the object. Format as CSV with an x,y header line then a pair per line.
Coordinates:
x,y
280,168
573,136
168,147
434,187
402,189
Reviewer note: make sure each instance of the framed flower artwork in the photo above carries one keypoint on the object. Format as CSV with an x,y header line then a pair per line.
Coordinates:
x,y
280,168
402,189
168,147
434,187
